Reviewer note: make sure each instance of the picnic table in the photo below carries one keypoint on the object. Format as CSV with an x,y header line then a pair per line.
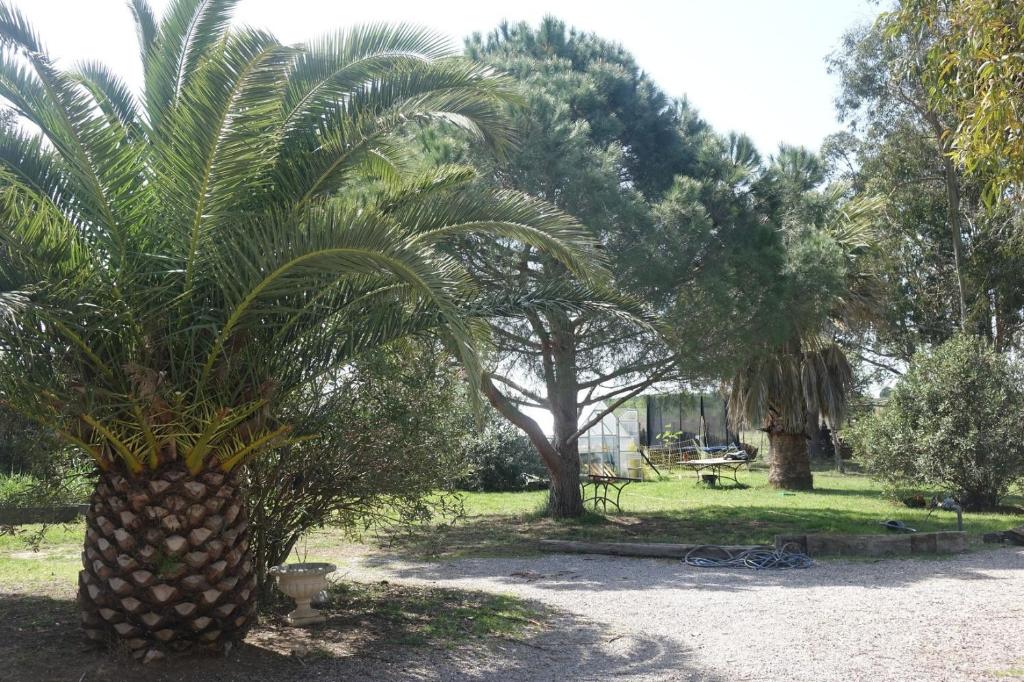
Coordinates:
x,y
603,479
716,465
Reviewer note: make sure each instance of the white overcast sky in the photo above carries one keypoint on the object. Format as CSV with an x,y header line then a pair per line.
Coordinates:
x,y
755,66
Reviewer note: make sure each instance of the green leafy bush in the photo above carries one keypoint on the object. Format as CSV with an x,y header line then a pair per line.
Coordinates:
x,y
64,481
954,422
499,457
375,446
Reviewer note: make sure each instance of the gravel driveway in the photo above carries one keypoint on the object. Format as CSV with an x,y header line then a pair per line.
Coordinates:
x,y
649,619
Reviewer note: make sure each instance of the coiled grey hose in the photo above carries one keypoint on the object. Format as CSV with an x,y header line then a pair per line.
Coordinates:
x,y
757,559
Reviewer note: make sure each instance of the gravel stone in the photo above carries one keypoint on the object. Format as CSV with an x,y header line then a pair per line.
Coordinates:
x,y
949,619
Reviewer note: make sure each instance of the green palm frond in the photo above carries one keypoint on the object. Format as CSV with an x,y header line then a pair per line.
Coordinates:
x,y
175,264
112,95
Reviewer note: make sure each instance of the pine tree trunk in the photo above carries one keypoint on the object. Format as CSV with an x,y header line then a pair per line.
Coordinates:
x,y
565,499
791,466
167,564
837,449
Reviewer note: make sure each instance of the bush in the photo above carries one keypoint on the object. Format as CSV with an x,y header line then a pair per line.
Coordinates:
x,y
953,422
376,446
500,458
25,447
64,477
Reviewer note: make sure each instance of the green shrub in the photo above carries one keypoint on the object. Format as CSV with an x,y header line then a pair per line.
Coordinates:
x,y
953,422
65,481
376,446
498,456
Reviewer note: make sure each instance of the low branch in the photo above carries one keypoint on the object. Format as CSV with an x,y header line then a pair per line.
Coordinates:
x,y
592,400
594,421
524,422
524,391
880,365
623,371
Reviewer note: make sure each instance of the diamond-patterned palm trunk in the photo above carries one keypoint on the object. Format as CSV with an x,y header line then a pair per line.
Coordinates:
x,y
167,564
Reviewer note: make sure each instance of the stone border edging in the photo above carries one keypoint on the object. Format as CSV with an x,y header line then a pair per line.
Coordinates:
x,y
834,544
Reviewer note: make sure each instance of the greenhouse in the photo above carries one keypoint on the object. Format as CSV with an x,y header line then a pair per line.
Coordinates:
x,y
652,420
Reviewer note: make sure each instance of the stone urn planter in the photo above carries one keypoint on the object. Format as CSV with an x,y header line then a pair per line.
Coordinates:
x,y
302,582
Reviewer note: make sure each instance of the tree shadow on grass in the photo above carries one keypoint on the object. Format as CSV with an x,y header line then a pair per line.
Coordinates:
x,y
374,632
712,525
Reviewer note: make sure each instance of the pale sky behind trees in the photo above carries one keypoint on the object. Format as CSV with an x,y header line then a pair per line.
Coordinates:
x,y
755,66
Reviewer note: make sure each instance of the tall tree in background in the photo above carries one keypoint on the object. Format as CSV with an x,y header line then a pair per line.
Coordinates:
x,y
798,373
660,192
973,68
945,261
175,269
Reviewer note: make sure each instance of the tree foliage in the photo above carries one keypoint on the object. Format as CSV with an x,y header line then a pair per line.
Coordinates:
x,y
945,261
177,267
660,193
376,448
798,372
974,69
498,458
952,423
620,104
178,270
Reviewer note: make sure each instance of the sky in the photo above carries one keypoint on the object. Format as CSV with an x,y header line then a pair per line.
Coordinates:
x,y
755,66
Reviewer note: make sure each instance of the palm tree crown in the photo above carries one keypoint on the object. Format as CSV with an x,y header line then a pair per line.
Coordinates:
x,y
174,264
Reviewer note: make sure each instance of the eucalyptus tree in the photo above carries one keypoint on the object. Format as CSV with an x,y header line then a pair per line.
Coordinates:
x,y
656,188
946,261
973,68
177,266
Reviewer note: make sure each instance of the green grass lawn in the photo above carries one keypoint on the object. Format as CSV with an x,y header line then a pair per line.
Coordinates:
x,y
676,510
679,510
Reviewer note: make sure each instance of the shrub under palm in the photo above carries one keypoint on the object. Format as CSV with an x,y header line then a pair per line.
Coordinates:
x,y
174,266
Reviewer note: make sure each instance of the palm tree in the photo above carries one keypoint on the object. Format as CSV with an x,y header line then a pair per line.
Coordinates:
x,y
799,369
173,267
778,387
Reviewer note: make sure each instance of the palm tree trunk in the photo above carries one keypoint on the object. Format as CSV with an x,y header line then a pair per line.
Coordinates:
x,y
791,466
167,564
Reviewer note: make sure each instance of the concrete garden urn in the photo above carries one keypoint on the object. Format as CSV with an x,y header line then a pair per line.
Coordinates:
x,y
302,582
